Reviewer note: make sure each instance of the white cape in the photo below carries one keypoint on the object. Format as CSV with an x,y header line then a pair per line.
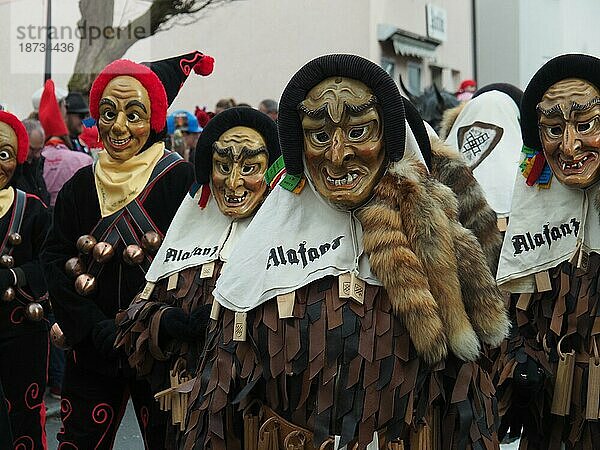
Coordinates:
x,y
196,236
293,240
546,227
488,135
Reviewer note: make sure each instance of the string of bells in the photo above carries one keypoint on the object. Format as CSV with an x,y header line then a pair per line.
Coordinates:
x,y
33,310
102,252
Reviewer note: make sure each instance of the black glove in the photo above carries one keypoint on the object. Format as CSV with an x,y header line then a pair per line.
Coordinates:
x,y
528,382
178,325
7,279
104,335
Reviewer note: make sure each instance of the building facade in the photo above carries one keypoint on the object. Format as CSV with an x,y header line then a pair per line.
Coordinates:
x,y
259,44
514,38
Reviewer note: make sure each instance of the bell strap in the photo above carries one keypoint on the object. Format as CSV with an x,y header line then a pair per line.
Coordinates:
x,y
95,268
16,220
135,208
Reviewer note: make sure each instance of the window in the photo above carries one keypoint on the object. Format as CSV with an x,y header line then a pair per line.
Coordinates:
x,y
414,78
436,76
388,65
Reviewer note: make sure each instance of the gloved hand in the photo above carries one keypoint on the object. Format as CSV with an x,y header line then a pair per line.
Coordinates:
x,y
104,335
527,383
178,325
7,279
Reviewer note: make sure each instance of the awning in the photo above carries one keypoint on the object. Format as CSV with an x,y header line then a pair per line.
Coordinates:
x,y
404,46
408,44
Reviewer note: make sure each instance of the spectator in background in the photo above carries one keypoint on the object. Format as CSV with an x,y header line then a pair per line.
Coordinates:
x,y
61,96
29,176
91,139
466,90
77,110
223,104
60,163
203,116
185,130
270,108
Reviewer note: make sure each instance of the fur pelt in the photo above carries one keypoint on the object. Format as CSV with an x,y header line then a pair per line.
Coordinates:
x,y
448,119
474,212
432,268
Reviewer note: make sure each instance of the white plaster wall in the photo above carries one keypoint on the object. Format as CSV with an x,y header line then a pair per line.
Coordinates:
x,y
257,44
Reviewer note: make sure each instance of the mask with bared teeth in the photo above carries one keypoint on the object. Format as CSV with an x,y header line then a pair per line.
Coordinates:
x,y
239,163
343,140
569,129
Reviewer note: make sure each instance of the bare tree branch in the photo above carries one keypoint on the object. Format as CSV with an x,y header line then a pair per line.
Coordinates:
x,y
162,15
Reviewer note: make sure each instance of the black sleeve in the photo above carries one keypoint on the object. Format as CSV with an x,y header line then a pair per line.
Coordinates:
x,y
76,314
30,275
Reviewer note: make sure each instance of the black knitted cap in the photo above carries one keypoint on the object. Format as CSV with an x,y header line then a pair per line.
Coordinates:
x,y
233,117
416,124
512,91
384,88
560,68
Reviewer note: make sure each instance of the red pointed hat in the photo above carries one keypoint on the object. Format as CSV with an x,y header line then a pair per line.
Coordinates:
x,y
22,136
162,79
50,116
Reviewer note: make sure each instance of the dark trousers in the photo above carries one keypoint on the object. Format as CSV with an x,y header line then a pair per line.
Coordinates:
x,y
5,433
23,369
93,405
56,368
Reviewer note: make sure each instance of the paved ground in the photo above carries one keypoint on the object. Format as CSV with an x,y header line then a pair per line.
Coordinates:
x,y
128,437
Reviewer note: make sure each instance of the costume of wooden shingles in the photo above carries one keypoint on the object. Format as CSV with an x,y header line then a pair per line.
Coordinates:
x,y
349,368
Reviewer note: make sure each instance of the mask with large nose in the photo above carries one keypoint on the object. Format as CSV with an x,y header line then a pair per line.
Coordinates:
x,y
343,144
569,124
124,123
239,163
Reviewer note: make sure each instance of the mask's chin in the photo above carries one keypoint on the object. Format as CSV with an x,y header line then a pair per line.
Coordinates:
x,y
343,204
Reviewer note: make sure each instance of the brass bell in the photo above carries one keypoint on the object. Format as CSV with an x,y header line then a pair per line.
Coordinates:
x,y
9,295
74,267
86,243
133,254
58,337
85,284
151,241
7,261
103,252
14,239
34,312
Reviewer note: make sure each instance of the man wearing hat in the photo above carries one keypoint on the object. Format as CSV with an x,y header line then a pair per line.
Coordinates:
x,y
109,220
60,94
353,310
77,110
548,375
184,129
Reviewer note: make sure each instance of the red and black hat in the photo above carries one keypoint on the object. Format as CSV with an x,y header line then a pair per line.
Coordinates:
x,y
22,137
162,79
